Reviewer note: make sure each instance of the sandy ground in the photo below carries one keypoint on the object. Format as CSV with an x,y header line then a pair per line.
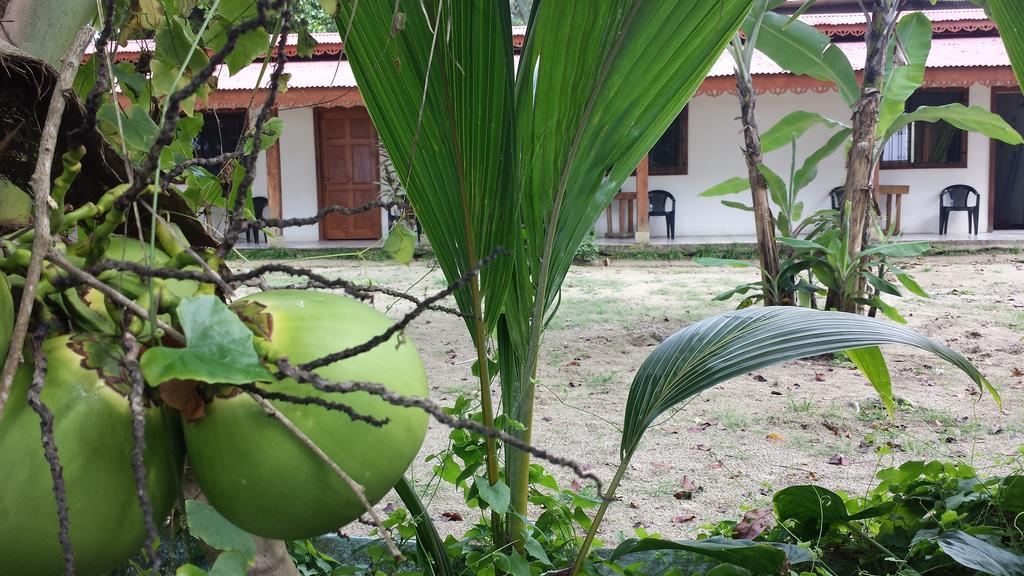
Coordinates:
x,y
757,433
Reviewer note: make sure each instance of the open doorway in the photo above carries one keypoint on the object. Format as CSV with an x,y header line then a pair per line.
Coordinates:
x,y
1007,202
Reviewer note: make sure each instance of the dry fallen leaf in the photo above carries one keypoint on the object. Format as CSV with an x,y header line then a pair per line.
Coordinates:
x,y
760,378
773,437
1017,372
839,460
716,465
819,377
703,447
683,518
753,523
452,516
689,489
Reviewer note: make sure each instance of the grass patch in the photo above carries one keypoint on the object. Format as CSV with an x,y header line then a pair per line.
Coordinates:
x,y
679,252
372,254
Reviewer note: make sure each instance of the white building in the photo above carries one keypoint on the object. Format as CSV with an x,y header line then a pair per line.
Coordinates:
x,y
328,153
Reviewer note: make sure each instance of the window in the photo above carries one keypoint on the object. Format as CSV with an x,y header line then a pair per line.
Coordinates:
x,y
669,155
221,132
928,144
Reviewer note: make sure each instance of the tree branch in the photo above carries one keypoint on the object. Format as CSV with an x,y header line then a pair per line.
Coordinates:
x,y
41,196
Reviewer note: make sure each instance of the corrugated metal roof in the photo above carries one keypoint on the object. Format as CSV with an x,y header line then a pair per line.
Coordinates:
x,y
946,53
855,18
329,74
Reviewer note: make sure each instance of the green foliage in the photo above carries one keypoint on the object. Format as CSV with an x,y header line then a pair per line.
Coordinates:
x,y
237,547
588,250
922,517
401,243
543,150
219,348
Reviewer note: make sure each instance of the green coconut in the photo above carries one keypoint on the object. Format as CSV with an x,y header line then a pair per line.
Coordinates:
x,y
93,434
264,480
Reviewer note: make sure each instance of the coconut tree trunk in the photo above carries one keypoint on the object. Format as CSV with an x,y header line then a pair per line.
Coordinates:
x,y
858,188
764,221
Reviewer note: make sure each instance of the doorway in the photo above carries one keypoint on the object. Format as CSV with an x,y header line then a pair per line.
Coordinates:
x,y
1007,202
347,172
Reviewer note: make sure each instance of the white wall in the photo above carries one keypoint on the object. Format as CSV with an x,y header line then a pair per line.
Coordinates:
x,y
715,140
921,206
298,172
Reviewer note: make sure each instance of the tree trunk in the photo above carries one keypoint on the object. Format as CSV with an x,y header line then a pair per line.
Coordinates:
x,y
859,166
764,221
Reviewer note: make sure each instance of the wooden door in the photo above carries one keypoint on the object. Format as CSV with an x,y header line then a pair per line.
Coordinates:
x,y
347,167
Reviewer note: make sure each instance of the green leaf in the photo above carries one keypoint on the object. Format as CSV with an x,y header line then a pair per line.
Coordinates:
x,y
792,127
175,41
737,205
518,566
812,509
1009,17
248,46
724,262
730,186
306,44
719,348
496,497
883,286
889,311
979,555
757,557
800,243
230,563
802,49
898,249
190,570
205,523
536,549
728,570
219,348
428,541
776,187
401,244
974,119
809,170
444,111
871,362
1011,494
909,283
914,32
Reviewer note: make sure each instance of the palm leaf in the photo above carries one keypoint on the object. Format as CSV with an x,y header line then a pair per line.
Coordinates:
x,y
719,348
915,38
436,77
801,49
598,84
1009,17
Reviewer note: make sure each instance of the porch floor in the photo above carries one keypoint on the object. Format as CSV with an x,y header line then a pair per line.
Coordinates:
x,y
997,239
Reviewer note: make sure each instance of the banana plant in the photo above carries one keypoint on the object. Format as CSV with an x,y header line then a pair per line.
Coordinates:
x,y
714,350
524,161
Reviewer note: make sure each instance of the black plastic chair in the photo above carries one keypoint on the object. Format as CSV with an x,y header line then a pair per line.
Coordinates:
x,y
259,205
398,211
658,200
958,198
836,197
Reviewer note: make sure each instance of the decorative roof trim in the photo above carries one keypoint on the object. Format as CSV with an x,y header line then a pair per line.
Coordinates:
x,y
790,84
